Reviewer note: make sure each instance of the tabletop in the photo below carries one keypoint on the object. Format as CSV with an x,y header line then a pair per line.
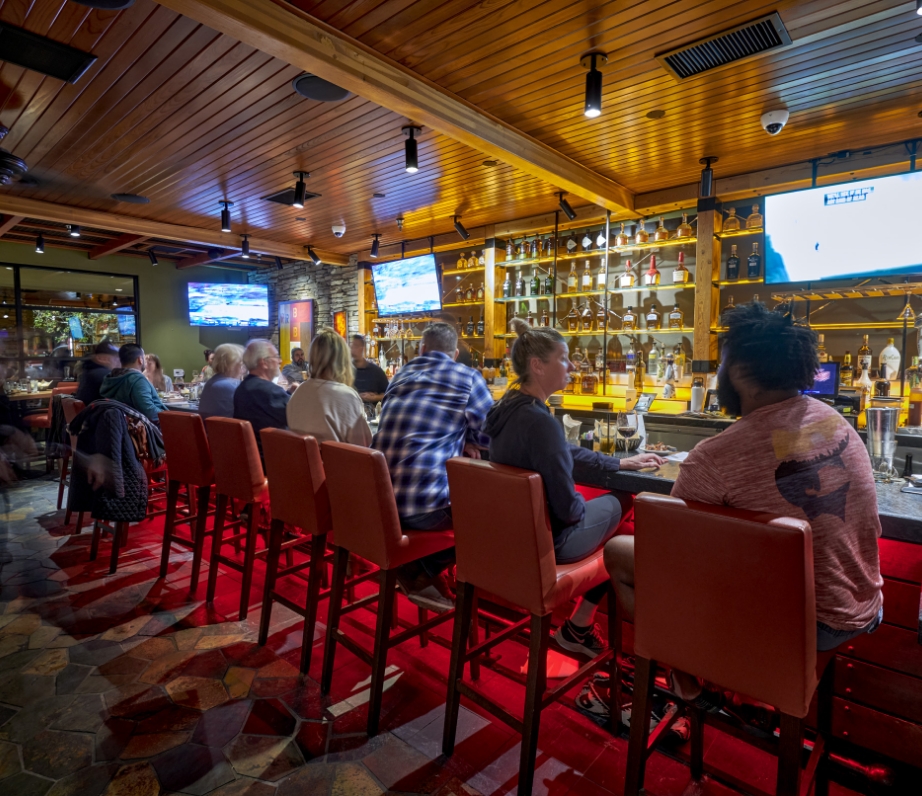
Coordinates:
x,y
29,396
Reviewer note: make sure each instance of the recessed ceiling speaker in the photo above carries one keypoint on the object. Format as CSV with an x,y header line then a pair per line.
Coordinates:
x,y
318,89
130,198
108,5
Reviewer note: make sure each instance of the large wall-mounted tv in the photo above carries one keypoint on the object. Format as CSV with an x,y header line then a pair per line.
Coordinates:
x,y
228,305
823,233
407,286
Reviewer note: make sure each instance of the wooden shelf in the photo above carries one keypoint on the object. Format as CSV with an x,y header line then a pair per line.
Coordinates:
x,y
615,332
731,282
864,291
463,271
533,261
658,244
462,304
739,233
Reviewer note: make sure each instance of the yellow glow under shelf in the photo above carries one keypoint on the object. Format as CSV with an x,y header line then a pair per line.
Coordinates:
x,y
739,233
731,283
462,304
654,244
463,271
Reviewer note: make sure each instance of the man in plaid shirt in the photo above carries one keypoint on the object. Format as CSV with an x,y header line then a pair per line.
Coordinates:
x,y
433,410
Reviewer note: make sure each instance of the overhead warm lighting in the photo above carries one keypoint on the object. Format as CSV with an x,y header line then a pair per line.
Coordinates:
x,y
592,62
409,147
73,230
245,253
564,205
313,255
225,214
152,257
459,228
374,245
919,7
300,189
278,263
40,244
707,176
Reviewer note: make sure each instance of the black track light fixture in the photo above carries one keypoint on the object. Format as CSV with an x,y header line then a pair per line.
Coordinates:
x,y
245,252
39,244
374,245
315,259
564,205
225,214
152,256
278,263
459,228
707,177
73,230
300,189
592,62
409,147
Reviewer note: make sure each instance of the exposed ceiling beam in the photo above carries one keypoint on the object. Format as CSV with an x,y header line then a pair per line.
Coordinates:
x,y
211,256
283,31
116,245
8,223
64,214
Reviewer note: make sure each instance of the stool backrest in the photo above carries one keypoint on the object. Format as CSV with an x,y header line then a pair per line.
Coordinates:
x,y
188,454
237,468
503,540
71,408
727,595
297,481
362,502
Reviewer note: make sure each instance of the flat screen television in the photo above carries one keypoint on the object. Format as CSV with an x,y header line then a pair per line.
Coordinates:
x,y
407,286
228,304
822,233
127,324
826,380
76,329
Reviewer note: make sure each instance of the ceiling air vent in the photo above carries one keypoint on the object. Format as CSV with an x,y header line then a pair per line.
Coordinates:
x,y
287,197
727,47
41,54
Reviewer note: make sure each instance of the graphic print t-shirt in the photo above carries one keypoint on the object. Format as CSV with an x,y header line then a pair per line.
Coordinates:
x,y
799,458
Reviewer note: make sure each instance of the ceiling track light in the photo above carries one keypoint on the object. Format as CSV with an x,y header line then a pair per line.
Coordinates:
x,y
300,189
409,148
152,257
459,228
73,230
245,253
315,259
374,245
225,214
592,62
707,176
564,205
39,244
278,263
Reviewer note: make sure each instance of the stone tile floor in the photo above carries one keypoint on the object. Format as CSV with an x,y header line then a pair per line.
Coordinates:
x,y
127,685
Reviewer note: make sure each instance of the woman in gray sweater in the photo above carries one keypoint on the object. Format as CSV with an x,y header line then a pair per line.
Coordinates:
x,y
217,398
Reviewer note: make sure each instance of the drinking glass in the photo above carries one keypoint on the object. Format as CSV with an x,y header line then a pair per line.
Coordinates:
x,y
626,424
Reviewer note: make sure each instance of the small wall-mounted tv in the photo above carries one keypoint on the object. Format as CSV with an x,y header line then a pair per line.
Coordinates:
x,y
127,325
228,304
865,228
407,286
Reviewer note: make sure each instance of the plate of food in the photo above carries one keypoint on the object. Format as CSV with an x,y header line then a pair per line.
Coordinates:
x,y
658,448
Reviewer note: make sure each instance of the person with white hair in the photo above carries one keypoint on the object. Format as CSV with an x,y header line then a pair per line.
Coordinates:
x,y
258,399
217,399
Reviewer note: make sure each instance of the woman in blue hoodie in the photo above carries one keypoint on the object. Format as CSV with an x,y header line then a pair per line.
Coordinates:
x,y
524,434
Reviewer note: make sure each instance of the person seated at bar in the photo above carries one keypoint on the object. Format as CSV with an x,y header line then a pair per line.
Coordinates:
x,y
325,406
433,410
370,380
294,370
523,433
155,375
788,455
257,399
94,369
217,398
129,386
207,371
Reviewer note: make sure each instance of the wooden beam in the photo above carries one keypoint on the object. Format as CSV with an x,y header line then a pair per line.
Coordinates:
x,y
211,256
116,245
284,32
8,223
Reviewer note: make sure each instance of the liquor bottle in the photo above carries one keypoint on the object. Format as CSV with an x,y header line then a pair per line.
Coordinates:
x,y
523,249
572,318
864,356
821,349
572,281
472,260
732,222
847,372
530,318
586,241
865,386
585,318
586,282
480,326
754,263
589,379
754,219
572,245
600,239
685,229
601,278
510,249
733,265
470,327
755,297
520,284
680,274
630,360
480,292
676,318
622,239
545,318
640,370
629,319
462,261
654,318
661,233
651,277
482,259
547,248
469,294
678,354
507,286
730,305
460,325
642,236
889,361
548,285
628,278
535,283
601,319
653,361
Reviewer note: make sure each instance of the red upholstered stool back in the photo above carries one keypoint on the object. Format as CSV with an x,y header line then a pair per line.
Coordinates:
x,y
503,540
297,481
362,502
727,595
188,454
237,468
71,408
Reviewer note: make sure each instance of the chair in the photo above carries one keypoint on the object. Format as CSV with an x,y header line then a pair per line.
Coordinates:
x,y
43,419
71,408
238,477
188,458
727,595
500,516
365,518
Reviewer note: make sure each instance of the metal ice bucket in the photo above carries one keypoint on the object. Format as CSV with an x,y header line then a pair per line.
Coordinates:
x,y
881,429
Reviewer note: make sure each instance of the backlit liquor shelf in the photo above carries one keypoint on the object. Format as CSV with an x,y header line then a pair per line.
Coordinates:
x,y
616,332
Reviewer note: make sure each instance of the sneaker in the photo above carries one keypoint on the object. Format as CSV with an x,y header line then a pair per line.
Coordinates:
x,y
587,642
432,594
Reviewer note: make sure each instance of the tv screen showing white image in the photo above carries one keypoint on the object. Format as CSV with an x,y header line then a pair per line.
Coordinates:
x,y
825,233
407,286
228,305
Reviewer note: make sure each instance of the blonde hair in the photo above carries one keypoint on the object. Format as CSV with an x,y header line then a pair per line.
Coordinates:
x,y
329,358
539,342
228,360
155,376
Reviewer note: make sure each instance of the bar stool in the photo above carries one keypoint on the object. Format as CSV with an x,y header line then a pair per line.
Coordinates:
x,y
367,524
71,408
188,458
701,576
238,477
503,545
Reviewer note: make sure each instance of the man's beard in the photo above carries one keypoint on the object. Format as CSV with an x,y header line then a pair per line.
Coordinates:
x,y
728,397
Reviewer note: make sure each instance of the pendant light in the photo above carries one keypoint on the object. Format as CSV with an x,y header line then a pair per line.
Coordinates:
x,y
152,257
592,62
245,253
225,214
313,255
374,245
707,177
73,230
39,244
409,147
459,228
278,263
564,205
300,189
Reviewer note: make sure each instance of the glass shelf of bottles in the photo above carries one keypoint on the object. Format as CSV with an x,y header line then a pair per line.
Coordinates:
x,y
864,291
633,332
539,296
398,339
463,271
738,233
635,288
475,303
653,244
531,261
731,282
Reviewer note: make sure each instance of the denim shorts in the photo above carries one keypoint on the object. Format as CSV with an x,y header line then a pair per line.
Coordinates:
x,y
828,638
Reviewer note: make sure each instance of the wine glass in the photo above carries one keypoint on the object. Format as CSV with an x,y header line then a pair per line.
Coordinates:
x,y
626,424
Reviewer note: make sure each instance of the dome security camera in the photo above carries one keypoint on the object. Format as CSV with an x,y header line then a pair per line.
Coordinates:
x,y
774,121
339,230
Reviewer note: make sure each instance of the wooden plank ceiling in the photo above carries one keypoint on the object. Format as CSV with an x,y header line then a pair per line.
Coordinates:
x,y
184,115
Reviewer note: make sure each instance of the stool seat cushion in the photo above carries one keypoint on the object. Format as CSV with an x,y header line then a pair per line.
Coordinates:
x,y
419,544
37,421
575,579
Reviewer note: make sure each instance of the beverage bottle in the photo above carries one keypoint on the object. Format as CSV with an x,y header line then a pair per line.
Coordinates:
x,y
601,318
530,318
651,277
462,261
480,292
507,286
641,236
628,278
629,319
654,318
472,260
661,233
548,285
680,274
847,372
480,326
469,293
586,283
676,318
572,281
601,278
535,283
864,356
585,316
732,222
470,327
889,361
640,371
821,349
572,318
520,284
545,318
733,265
754,263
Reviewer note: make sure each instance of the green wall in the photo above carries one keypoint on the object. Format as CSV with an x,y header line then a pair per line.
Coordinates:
x,y
164,320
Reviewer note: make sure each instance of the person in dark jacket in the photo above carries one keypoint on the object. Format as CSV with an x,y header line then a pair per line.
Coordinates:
x,y
94,370
129,385
524,434
257,399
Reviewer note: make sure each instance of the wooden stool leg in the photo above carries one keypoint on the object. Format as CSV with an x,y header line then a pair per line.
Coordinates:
x,y
824,695
535,685
80,521
272,567
249,559
696,758
615,697
318,566
118,533
386,605
94,545
340,561
641,709
463,612
201,526
219,514
423,616
790,750
169,529
65,462
474,637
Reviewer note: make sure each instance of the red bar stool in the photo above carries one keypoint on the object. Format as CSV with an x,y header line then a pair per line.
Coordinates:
x,y
188,458
504,545
238,477
366,522
701,577
71,408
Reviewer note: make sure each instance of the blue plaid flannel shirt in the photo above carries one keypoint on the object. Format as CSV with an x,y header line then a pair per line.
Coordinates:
x,y
432,407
